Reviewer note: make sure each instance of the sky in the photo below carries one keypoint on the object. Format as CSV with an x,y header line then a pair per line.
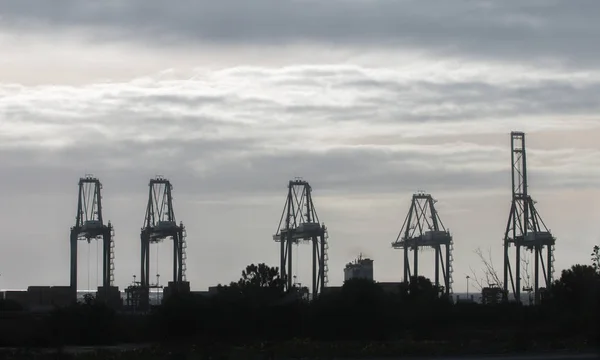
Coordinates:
x,y
369,101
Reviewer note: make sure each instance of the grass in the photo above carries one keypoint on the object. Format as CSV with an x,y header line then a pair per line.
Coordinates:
x,y
300,348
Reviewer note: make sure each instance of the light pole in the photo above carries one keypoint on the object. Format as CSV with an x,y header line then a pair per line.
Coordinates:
x,y
157,288
468,277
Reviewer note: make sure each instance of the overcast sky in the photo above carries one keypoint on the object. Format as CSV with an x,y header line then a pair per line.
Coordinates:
x,y
370,101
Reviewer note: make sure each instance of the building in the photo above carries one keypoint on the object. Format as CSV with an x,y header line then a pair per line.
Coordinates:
x,y
360,268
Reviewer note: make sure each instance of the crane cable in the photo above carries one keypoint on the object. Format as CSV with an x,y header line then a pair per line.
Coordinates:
x,y
296,263
97,263
88,270
157,248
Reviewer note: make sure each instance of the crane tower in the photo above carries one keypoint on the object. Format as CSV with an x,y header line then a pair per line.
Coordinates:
x,y
423,228
160,224
299,223
89,225
525,228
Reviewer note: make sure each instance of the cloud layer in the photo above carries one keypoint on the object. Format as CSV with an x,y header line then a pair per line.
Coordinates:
x,y
344,126
549,32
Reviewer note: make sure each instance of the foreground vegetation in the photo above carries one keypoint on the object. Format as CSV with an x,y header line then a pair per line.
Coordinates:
x,y
255,317
298,348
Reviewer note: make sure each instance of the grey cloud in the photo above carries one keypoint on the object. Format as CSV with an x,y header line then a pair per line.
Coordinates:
x,y
531,31
477,100
419,101
245,140
239,168
129,108
34,171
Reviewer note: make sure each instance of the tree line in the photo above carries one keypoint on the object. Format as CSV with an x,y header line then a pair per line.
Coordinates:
x,y
258,308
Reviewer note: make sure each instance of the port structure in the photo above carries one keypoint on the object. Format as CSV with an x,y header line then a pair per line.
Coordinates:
x,y
299,223
423,228
525,229
89,225
160,224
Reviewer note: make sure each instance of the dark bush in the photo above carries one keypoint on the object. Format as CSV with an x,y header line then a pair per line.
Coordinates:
x,y
257,309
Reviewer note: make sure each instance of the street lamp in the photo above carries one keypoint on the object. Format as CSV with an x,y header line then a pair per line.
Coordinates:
x,y
157,289
468,277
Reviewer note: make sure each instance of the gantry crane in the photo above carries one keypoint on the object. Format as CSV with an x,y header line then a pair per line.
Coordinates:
x,y
300,223
160,224
89,225
423,228
525,228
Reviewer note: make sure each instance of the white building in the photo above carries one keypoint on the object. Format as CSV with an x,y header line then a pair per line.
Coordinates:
x,y
360,268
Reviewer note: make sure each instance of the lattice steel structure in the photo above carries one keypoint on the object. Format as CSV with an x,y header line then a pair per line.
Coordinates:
x,y
160,224
89,225
423,228
300,224
525,228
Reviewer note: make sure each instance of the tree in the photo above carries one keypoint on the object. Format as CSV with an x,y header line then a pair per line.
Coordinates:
x,y
421,290
596,258
261,276
577,289
259,284
490,275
